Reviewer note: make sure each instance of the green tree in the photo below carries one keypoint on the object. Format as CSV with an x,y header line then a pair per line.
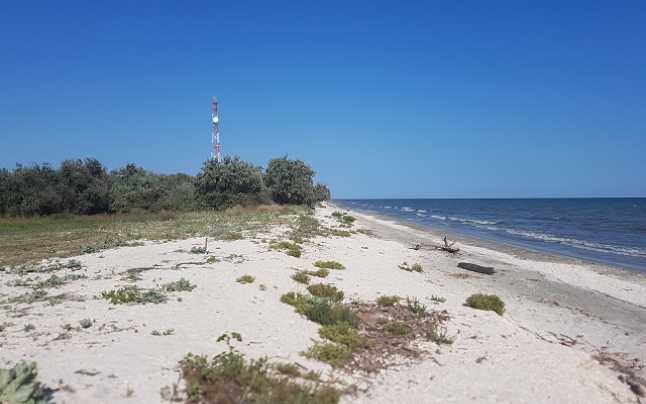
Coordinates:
x,y
290,181
322,193
221,185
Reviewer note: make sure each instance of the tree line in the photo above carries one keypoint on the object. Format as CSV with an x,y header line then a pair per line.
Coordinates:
x,y
86,187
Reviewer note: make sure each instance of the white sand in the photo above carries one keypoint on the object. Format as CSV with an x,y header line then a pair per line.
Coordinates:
x,y
523,359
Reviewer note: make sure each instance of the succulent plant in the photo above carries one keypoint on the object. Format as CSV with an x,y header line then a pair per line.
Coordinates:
x,y
18,385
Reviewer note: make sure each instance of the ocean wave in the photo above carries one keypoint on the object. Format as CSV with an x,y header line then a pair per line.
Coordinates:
x,y
420,214
421,210
586,245
407,209
438,217
474,221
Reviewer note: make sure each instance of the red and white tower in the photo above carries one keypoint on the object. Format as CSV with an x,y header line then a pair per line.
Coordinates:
x,y
215,136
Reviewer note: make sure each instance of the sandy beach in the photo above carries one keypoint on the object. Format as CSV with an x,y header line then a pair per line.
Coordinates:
x,y
571,332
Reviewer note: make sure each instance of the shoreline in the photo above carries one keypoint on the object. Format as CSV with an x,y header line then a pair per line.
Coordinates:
x,y
517,251
492,242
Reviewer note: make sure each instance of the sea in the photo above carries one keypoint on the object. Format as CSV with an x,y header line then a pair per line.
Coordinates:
x,y
609,231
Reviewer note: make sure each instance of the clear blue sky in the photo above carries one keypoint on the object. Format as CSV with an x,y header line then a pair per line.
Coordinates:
x,y
382,98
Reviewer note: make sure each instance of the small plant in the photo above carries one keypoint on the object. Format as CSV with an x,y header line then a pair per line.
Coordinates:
x,y
415,306
291,249
182,285
486,302
301,277
288,369
18,385
321,273
412,268
335,355
396,328
344,334
244,279
164,333
29,327
329,265
86,323
325,313
211,260
387,301
438,334
262,287
340,233
347,219
230,378
438,299
132,294
324,291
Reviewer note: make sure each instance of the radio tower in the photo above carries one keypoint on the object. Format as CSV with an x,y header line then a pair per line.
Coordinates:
x,y
215,136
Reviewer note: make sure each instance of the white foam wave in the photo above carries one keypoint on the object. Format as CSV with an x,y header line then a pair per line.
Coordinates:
x,y
438,217
420,214
407,209
474,221
586,245
421,210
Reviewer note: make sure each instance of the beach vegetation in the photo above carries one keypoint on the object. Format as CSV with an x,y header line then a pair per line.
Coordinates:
x,y
344,334
336,355
19,385
291,249
325,291
290,182
86,323
181,285
230,378
415,306
321,273
398,328
288,369
322,193
132,294
244,279
438,299
329,265
227,183
301,277
486,302
387,301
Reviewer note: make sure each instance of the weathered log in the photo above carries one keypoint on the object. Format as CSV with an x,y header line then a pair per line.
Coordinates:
x,y
476,268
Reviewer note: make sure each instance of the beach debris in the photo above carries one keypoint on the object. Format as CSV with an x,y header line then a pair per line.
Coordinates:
x,y
627,369
476,268
449,246
201,250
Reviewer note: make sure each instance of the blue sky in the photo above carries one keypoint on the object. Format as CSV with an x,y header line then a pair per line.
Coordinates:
x,y
382,98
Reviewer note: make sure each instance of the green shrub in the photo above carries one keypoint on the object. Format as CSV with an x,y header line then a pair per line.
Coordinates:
x,y
301,277
291,249
222,185
387,301
321,273
132,294
415,306
329,265
438,299
325,313
290,181
18,385
396,328
298,301
344,334
335,355
486,302
230,378
244,279
182,285
325,291
321,193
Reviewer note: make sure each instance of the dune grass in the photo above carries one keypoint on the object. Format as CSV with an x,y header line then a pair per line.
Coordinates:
x,y
486,302
329,265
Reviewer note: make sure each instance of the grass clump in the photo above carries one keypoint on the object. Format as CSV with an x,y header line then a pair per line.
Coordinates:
x,y
301,277
230,378
397,328
320,311
291,249
415,306
438,299
486,302
329,265
411,268
328,292
182,285
297,301
132,294
336,355
288,369
244,279
344,334
343,218
387,301
321,272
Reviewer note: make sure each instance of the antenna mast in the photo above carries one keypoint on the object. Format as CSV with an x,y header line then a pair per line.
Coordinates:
x,y
215,135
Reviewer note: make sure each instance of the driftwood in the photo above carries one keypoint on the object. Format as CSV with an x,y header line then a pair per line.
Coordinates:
x,y
448,247
477,268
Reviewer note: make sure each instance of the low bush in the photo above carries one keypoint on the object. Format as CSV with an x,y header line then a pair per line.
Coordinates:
x,y
336,355
230,378
329,265
244,279
415,306
344,334
291,249
486,302
325,291
132,294
321,273
387,301
301,277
